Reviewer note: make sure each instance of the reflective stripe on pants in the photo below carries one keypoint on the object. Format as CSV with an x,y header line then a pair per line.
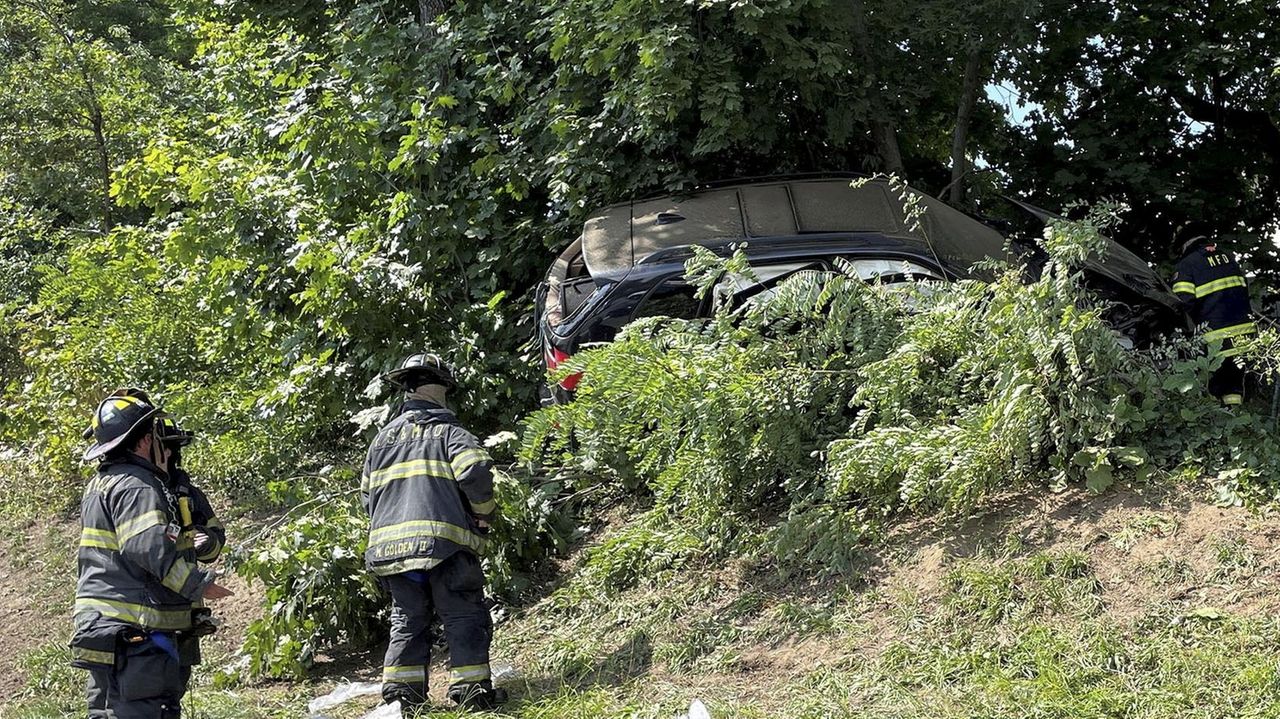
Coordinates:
x,y
454,590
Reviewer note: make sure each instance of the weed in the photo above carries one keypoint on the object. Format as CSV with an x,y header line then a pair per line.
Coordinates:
x,y
982,593
1171,571
696,641
1234,558
1148,524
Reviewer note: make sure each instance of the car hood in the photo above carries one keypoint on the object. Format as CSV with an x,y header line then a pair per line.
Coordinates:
x,y
1117,263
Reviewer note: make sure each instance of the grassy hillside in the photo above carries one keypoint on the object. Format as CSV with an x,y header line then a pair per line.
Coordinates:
x,y
1143,602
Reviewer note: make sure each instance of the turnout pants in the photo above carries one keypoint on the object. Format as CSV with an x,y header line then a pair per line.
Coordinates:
x,y
454,590
1227,382
146,683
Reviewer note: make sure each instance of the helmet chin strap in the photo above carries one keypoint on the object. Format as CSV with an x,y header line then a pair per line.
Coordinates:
x,y
157,447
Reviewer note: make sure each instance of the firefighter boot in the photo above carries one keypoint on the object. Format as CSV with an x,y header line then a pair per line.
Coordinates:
x,y
477,695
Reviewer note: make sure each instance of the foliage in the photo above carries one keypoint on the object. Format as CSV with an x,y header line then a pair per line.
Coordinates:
x,y
318,594
324,190
838,404
313,190
1104,78
79,89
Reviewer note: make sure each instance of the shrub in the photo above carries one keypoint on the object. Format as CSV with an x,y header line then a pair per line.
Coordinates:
x,y
829,407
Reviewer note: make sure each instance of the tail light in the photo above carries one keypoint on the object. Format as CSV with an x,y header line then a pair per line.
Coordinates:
x,y
554,357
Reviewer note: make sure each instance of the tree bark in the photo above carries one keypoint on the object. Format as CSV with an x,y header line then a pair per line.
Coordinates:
x,y
429,10
104,167
884,132
964,116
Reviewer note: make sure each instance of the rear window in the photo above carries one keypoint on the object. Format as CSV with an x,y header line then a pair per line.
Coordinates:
x,y
672,298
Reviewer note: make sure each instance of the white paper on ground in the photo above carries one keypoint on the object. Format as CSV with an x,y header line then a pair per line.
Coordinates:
x,y
697,710
341,694
503,672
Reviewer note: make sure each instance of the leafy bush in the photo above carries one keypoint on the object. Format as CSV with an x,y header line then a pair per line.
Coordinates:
x,y
312,565
832,405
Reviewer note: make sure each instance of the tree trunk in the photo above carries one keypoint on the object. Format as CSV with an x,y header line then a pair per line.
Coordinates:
x,y
964,116
93,107
883,131
429,10
104,168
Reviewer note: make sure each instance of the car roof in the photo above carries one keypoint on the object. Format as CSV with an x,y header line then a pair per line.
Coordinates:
x,y
621,236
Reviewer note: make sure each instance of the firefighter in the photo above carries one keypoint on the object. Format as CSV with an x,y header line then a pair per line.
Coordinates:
x,y
1214,293
136,589
202,539
428,488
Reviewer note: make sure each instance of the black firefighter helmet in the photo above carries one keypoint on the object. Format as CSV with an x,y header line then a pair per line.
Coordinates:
x,y
1195,235
117,417
421,368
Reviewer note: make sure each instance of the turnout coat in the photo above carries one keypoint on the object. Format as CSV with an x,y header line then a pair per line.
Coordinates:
x,y
425,482
133,571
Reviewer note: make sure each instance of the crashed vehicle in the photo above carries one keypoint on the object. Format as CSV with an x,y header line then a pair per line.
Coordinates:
x,y
629,261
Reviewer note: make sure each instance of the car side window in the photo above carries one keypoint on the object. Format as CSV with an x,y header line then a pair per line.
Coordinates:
x,y
886,270
673,298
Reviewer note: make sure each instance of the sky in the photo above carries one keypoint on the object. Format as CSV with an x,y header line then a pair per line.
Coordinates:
x,y
1016,110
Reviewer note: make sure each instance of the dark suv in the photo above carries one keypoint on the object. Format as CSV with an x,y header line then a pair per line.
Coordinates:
x,y
629,261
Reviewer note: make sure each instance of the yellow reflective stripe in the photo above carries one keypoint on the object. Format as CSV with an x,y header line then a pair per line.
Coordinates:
x,y
100,538
101,484
1232,399
405,565
132,528
1184,287
1243,328
93,655
406,470
177,575
424,527
1209,288
469,673
484,507
416,673
184,511
139,614
215,548
467,459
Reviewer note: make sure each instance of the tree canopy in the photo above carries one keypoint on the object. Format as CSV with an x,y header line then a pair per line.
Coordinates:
x,y
256,207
